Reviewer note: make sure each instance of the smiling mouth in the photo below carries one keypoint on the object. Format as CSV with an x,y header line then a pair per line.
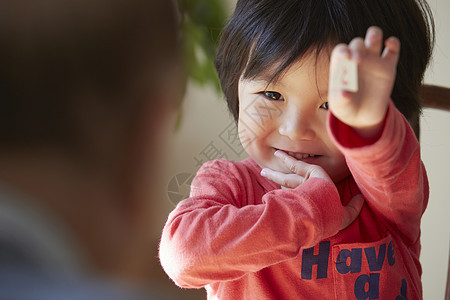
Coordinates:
x,y
299,156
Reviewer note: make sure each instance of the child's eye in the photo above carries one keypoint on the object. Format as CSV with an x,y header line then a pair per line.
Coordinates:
x,y
274,96
324,105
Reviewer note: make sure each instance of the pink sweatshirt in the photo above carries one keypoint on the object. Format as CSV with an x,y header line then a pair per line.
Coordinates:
x,y
242,237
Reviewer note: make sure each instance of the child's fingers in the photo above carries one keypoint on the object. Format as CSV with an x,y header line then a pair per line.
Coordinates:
x,y
358,48
340,51
374,40
301,168
289,181
391,50
352,210
296,166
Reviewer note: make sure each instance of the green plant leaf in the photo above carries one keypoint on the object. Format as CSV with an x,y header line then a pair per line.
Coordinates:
x,y
201,21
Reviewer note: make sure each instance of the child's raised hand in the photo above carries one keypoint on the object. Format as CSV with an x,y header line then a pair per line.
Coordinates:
x,y
301,172
365,109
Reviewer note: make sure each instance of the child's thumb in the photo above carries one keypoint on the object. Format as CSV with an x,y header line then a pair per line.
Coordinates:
x,y
352,210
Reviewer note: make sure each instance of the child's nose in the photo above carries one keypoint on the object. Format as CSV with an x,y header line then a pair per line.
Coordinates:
x,y
296,125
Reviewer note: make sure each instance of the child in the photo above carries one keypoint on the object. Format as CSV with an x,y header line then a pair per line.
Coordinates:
x,y
287,223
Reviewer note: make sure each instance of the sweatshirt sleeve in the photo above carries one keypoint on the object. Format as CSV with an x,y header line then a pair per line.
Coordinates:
x,y
215,236
388,171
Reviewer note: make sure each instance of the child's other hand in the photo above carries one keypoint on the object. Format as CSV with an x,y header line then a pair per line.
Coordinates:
x,y
352,210
301,172
365,109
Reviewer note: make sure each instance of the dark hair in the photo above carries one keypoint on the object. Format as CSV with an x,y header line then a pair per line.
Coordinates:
x,y
59,58
263,32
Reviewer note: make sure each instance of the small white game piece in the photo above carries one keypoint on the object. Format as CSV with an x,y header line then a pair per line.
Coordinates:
x,y
345,76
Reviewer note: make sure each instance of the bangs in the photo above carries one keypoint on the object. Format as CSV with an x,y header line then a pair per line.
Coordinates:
x,y
265,37
291,30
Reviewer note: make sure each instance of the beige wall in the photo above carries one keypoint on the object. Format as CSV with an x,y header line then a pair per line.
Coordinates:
x,y
435,142
204,134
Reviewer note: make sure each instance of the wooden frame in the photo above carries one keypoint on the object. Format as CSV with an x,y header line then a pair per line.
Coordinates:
x,y
431,96
434,96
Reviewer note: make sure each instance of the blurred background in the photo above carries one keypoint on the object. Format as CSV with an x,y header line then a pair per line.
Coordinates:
x,y
206,131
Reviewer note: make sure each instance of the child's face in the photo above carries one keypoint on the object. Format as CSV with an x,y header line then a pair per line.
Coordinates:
x,y
290,115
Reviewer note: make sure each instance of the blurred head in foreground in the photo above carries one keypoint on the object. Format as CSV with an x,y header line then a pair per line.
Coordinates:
x,y
86,91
